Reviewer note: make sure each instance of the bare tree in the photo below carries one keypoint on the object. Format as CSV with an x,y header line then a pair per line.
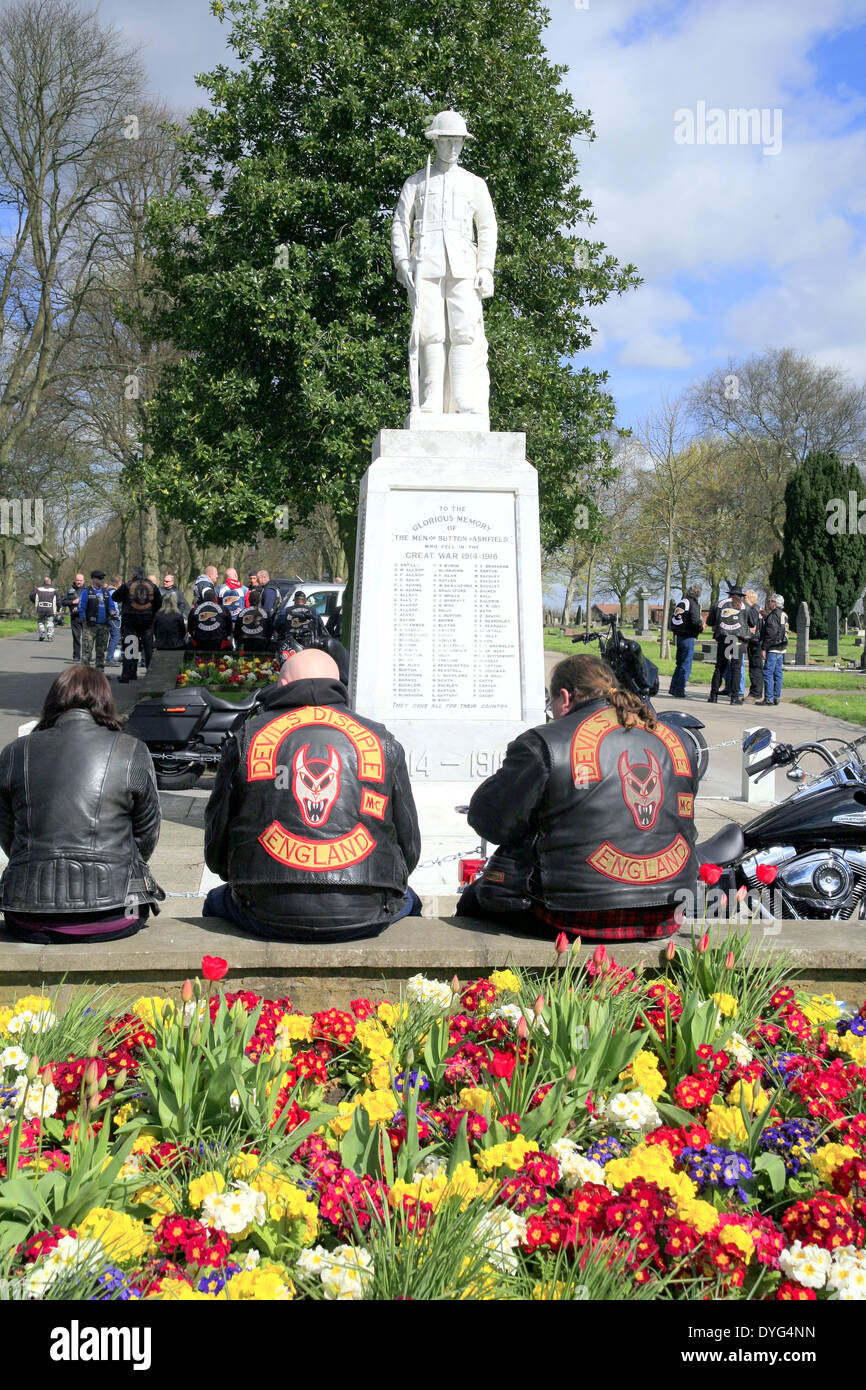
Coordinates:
x,y
675,462
777,408
67,87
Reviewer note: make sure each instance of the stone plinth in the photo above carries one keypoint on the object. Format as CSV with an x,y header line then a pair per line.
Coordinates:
x,y
447,645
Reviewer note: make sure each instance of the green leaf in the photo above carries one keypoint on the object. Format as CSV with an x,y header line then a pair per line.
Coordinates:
x,y
773,1165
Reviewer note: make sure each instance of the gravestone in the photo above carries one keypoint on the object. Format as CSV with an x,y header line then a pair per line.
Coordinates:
x,y
803,634
833,629
643,625
446,642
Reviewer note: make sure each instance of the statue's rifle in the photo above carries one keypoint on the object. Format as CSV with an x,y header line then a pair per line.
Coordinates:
x,y
415,335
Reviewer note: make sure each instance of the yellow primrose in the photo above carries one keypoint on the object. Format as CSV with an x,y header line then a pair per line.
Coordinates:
x,y
726,1004
150,1008
243,1164
390,1013
827,1159
5,1015
508,1155
739,1238
372,1036
123,1237
201,1186
854,1047
505,982
381,1106
644,1074
144,1143
754,1099
476,1098
268,1282
177,1291
294,1028
155,1197
32,1003
726,1123
341,1123
702,1215
820,1008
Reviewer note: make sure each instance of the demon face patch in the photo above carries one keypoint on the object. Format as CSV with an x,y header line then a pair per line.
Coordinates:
x,y
316,784
642,789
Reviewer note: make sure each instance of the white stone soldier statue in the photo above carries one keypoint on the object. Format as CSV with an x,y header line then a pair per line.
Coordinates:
x,y
447,275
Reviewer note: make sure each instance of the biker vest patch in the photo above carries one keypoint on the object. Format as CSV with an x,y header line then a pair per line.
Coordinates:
x,y
685,804
263,749
642,788
589,734
640,868
316,856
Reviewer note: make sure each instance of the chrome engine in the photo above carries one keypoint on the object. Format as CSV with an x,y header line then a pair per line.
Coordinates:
x,y
827,883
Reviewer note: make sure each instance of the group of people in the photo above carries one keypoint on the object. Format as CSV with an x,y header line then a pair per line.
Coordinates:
x,y
748,638
312,824
122,623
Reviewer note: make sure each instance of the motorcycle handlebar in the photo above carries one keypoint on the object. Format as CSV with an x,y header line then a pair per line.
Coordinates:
x,y
763,766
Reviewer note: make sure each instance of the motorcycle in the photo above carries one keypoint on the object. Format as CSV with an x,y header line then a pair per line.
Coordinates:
x,y
640,676
816,839
185,730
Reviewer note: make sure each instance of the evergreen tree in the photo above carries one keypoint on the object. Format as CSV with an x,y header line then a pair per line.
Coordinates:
x,y
273,271
821,561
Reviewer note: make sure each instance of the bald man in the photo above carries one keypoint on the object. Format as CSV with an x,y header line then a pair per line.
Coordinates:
x,y
311,822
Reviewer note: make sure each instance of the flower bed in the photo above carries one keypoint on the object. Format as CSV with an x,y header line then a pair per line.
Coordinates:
x,y
587,1133
229,672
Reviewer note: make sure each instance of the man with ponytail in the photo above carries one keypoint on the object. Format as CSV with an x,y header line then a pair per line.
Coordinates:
x,y
599,807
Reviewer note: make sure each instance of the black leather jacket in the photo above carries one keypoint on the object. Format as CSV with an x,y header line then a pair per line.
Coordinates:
x,y
609,811
312,819
79,816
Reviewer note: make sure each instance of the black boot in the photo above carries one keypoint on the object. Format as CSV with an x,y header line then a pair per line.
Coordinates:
x,y
738,700
712,699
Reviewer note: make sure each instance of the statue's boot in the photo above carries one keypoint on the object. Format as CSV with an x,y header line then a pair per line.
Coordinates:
x,y
433,378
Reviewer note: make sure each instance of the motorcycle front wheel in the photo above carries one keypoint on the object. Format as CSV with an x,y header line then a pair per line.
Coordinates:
x,y
180,780
703,755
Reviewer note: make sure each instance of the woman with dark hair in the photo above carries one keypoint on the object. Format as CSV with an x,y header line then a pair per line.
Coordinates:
x,y
594,816
79,818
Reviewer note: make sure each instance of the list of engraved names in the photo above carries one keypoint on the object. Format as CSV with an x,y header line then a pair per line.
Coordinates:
x,y
456,635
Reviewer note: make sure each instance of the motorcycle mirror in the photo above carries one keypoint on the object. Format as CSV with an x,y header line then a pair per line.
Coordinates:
x,y
796,774
756,740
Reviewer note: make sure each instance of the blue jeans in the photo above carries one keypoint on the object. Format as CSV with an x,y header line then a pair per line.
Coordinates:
x,y
773,676
683,668
221,902
726,688
113,640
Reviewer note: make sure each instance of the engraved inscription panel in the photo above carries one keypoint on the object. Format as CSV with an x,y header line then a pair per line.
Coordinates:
x,y
456,629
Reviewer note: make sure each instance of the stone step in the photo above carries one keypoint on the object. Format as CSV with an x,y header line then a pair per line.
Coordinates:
x,y
830,957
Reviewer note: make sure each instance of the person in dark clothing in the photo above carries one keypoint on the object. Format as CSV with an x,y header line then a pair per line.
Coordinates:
x,y
169,587
312,821
79,818
269,597
687,622
598,807
774,644
71,600
731,631
210,624
139,601
169,628
752,653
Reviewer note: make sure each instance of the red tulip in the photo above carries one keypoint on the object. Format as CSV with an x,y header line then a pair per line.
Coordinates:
x,y
538,1006
703,944
213,967
562,944
186,991
598,955
766,873
522,1027
670,950
729,961
709,874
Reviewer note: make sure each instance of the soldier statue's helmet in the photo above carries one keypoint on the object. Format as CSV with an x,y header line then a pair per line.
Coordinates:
x,y
447,123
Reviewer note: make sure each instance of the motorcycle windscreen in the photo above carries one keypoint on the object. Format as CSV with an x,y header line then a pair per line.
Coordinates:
x,y
166,720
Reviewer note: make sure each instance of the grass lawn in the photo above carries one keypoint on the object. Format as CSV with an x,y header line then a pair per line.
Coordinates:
x,y
702,671
10,627
850,706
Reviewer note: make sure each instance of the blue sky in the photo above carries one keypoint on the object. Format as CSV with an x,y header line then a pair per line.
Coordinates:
x,y
740,251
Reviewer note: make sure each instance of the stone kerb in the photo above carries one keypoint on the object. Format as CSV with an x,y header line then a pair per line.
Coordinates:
x,y
829,957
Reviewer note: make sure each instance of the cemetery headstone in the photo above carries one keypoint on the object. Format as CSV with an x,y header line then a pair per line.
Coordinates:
x,y
803,634
643,623
833,629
